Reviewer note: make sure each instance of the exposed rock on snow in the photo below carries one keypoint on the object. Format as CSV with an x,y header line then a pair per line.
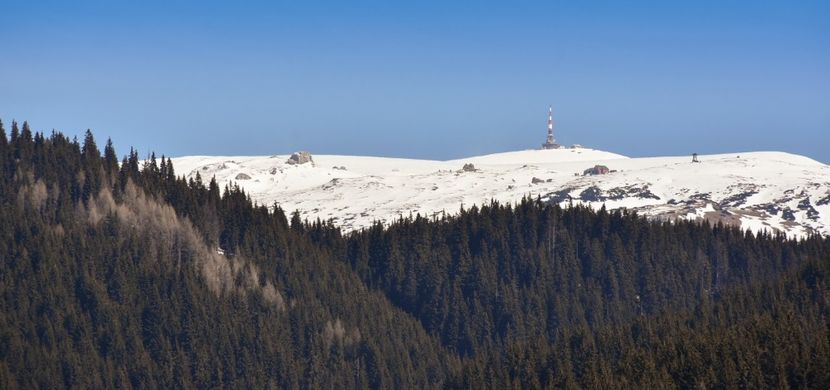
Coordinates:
x,y
300,157
596,170
243,176
592,194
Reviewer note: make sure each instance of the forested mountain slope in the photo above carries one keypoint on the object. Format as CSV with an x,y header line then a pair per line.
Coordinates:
x,y
127,275
107,281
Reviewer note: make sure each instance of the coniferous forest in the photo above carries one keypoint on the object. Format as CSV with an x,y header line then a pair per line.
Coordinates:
x,y
120,273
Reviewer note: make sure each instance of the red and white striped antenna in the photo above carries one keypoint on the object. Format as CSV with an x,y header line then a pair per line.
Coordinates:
x,y
550,143
550,125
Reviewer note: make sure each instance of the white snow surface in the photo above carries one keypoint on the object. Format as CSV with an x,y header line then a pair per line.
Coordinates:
x,y
758,191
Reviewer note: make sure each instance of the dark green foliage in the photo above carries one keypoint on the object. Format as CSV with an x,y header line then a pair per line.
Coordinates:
x,y
110,304
524,296
538,296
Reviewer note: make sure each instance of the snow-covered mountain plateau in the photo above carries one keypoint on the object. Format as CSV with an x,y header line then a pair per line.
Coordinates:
x,y
757,191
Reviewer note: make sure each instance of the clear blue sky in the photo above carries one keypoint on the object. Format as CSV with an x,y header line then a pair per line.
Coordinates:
x,y
422,79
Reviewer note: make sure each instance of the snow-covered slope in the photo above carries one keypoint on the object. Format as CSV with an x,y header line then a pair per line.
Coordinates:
x,y
758,190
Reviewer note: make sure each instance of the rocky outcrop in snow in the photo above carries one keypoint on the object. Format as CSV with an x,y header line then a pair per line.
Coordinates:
x,y
300,157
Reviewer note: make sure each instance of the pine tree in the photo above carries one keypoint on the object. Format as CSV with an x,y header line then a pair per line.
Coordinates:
x,y
110,158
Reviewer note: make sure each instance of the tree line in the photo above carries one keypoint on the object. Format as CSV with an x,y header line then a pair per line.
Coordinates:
x,y
112,276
